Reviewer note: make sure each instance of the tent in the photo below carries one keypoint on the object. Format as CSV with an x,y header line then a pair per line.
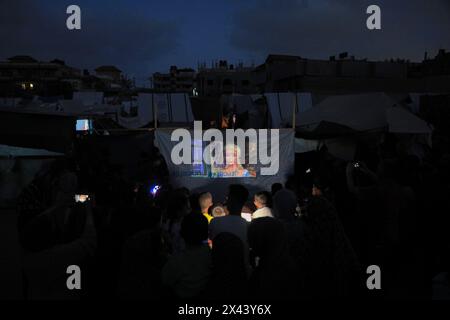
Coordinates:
x,y
338,121
169,108
79,106
14,152
54,132
18,166
88,98
342,115
414,102
238,102
10,102
246,106
206,109
402,121
281,107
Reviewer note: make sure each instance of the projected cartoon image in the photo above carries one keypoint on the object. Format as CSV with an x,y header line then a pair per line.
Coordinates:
x,y
231,167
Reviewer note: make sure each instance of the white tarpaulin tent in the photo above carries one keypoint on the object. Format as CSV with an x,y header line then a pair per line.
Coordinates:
x,y
336,119
181,109
76,107
281,106
10,102
414,105
71,106
88,98
11,151
362,113
238,102
401,120
170,108
303,145
144,115
245,104
342,148
18,167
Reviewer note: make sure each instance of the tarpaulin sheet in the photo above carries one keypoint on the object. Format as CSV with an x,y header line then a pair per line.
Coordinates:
x,y
281,107
169,108
40,131
187,175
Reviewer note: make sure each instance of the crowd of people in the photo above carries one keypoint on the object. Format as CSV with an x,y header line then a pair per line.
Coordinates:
x,y
312,237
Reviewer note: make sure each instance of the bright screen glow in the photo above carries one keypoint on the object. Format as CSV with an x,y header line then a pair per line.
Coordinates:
x,y
83,125
154,189
229,169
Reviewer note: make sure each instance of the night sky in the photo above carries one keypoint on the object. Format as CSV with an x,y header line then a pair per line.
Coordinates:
x,y
142,37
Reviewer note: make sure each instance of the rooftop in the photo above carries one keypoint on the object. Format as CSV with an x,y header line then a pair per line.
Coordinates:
x,y
107,69
22,59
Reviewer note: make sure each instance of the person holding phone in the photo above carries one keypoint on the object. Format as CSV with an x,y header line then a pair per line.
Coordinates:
x,y
52,242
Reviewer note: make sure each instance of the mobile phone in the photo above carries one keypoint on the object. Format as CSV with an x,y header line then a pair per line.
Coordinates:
x,y
154,189
81,198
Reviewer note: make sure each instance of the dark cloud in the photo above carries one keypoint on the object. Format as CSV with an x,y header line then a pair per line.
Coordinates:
x,y
321,28
109,35
141,37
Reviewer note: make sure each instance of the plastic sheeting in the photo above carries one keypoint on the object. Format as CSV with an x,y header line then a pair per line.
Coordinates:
x,y
281,107
88,98
35,130
11,151
403,121
303,146
16,174
363,112
170,108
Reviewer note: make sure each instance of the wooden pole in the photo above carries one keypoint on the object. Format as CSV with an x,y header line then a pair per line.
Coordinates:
x,y
294,111
155,111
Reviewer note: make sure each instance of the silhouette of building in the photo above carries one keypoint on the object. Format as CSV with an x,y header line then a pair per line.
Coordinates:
x,y
177,80
342,74
110,77
438,66
223,78
24,74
